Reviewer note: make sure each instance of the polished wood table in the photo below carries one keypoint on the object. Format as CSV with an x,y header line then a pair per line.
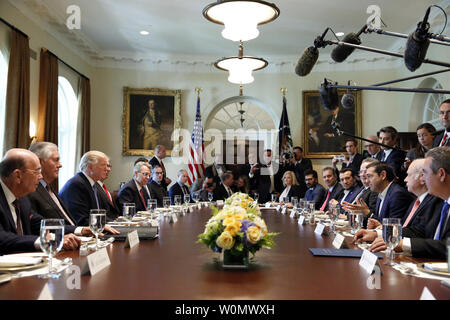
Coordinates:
x,y
175,267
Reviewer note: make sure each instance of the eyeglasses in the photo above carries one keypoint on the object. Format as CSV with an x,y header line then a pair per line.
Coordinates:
x,y
158,172
145,174
36,172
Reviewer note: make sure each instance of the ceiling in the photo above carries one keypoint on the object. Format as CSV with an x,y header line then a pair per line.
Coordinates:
x,y
179,32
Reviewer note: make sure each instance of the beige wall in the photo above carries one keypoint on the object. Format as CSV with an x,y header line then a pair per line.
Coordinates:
x,y
379,108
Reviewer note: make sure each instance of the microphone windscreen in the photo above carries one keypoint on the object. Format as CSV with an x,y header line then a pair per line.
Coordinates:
x,y
307,61
415,51
328,96
348,101
341,52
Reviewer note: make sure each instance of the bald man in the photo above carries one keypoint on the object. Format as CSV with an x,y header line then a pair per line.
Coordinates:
x,y
20,172
372,148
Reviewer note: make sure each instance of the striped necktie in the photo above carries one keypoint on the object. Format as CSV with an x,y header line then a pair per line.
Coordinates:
x,y
444,213
19,220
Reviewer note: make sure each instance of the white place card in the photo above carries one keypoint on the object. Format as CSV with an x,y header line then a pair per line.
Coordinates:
x,y
45,293
301,220
319,229
219,202
427,295
284,210
368,261
267,205
132,239
174,217
292,215
339,241
96,262
191,209
279,207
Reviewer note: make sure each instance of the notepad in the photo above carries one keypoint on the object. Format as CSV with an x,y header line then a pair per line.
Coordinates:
x,y
331,252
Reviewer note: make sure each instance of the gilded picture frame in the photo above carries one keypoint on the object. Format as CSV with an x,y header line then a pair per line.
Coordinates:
x,y
150,117
318,141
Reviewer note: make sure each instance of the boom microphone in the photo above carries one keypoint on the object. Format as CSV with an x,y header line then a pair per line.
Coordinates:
x,y
328,96
417,44
309,56
341,52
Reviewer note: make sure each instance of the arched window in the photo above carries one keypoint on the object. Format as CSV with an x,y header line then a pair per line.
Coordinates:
x,y
67,129
3,82
432,104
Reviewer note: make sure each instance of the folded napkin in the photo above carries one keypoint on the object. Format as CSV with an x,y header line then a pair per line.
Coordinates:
x,y
18,261
437,266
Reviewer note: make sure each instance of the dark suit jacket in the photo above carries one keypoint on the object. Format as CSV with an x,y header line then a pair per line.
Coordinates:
x,y
262,181
355,164
42,203
422,243
154,162
112,210
395,204
370,198
220,193
437,140
395,160
316,194
424,212
176,190
129,194
78,195
157,192
335,194
350,196
296,191
211,171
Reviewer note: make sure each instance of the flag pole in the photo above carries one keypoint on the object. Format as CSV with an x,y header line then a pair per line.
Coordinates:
x,y
198,90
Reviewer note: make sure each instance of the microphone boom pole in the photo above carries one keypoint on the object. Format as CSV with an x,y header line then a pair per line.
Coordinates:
x,y
442,40
417,90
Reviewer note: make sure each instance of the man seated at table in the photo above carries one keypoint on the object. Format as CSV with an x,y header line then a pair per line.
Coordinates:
x,y
207,187
427,239
334,187
44,200
179,188
351,188
316,192
20,171
223,190
112,211
80,193
134,191
157,191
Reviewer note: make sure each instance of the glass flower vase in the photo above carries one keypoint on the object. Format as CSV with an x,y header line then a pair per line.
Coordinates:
x,y
235,260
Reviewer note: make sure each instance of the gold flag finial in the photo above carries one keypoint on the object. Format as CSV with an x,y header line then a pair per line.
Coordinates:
x,y
198,90
283,91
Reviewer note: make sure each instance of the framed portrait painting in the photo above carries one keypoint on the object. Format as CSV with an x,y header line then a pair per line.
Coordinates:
x,y
150,117
320,139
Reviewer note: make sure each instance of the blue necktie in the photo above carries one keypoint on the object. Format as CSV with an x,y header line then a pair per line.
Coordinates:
x,y
382,156
377,209
444,213
95,194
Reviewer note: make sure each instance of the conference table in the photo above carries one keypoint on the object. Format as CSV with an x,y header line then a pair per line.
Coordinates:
x,y
175,267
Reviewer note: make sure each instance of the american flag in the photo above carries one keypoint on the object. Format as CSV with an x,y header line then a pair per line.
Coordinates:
x,y
196,149
284,133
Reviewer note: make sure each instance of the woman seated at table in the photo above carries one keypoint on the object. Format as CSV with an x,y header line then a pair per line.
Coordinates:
x,y
291,188
425,142
242,184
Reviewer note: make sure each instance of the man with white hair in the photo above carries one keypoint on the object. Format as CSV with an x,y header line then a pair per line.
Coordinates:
x,y
135,190
80,193
20,172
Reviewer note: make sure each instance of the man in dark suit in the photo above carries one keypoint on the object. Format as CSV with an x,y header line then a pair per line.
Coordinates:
x,y
223,190
443,139
334,187
351,188
429,240
299,165
353,159
393,157
179,188
207,186
135,190
263,177
157,191
157,160
20,172
374,150
80,193
316,192
217,169
393,200
112,211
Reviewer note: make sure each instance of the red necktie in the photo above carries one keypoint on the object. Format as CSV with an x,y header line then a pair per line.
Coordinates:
x,y
142,198
107,193
325,202
19,221
411,214
444,140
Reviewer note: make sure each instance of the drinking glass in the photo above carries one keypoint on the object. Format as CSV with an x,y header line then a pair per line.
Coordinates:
x,y
177,200
274,198
210,196
166,202
256,197
129,210
294,201
310,209
301,206
151,206
97,220
355,220
187,199
196,197
392,234
334,215
52,239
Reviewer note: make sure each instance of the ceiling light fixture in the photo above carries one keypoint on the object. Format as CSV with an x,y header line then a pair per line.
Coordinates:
x,y
241,67
241,111
241,17
144,33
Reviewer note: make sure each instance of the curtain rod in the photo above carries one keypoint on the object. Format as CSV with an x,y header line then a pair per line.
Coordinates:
x,y
14,28
67,65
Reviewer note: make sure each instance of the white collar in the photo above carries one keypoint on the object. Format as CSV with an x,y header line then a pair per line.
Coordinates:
x,y
139,187
91,181
10,197
382,194
422,196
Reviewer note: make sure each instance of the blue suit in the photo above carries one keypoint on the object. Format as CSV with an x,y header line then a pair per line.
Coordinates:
x,y
79,197
176,190
316,194
129,194
354,191
396,159
395,204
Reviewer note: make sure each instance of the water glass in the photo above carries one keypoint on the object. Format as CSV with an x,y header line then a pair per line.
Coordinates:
x,y
129,210
97,221
392,234
256,197
166,202
274,198
210,196
195,197
294,201
310,207
177,200
187,199
52,240
151,206
355,220
334,215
